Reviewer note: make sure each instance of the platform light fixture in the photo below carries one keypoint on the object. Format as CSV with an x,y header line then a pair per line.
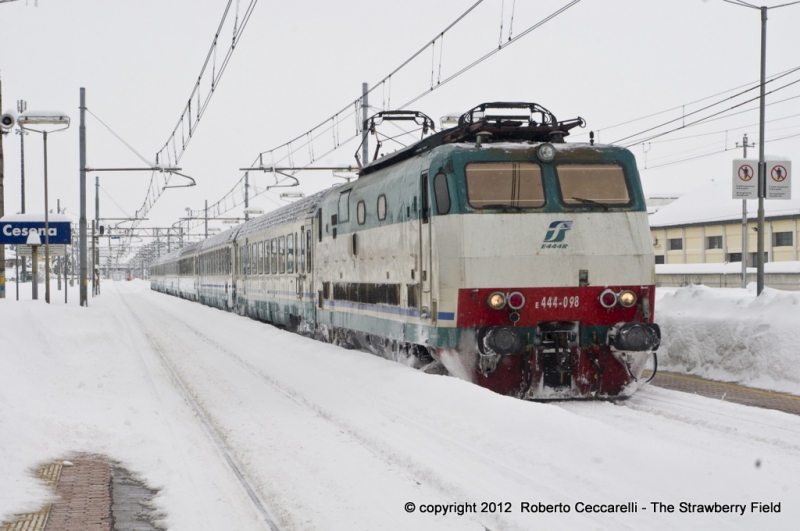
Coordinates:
x,y
44,122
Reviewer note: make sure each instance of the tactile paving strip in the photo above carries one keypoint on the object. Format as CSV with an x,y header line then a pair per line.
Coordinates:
x,y
48,473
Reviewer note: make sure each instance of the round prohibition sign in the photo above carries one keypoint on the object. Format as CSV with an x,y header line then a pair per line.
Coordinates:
x,y
746,172
778,173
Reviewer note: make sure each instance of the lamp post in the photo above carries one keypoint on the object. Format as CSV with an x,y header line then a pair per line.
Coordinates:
x,y
35,121
762,165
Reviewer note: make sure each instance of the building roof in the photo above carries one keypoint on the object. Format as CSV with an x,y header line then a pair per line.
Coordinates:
x,y
713,203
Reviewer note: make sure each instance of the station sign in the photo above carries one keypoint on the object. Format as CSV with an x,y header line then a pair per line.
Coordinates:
x,y
55,250
745,179
16,232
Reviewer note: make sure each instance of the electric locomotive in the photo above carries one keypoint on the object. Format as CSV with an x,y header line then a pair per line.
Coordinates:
x,y
493,251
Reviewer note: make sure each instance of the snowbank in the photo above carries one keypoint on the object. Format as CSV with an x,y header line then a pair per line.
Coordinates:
x,y
731,335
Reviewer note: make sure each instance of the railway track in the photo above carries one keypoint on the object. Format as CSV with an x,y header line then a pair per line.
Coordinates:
x,y
413,473
276,402
209,427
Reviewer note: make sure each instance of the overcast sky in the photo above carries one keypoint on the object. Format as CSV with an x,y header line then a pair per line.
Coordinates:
x,y
297,63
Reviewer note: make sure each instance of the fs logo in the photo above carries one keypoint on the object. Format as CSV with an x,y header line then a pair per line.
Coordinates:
x,y
556,233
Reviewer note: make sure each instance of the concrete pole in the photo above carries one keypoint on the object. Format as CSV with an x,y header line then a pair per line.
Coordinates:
x,y
762,165
84,299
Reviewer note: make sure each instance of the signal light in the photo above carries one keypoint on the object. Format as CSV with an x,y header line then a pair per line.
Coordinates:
x,y
608,298
516,300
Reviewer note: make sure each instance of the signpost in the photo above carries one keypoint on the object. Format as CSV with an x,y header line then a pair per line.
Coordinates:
x,y
32,230
744,181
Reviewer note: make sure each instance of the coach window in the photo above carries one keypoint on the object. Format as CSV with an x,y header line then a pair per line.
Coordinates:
x,y
344,207
588,184
308,251
274,256
361,212
282,254
290,254
266,258
301,257
381,207
442,193
504,184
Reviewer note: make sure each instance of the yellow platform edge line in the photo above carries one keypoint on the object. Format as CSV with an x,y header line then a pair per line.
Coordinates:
x,y
728,384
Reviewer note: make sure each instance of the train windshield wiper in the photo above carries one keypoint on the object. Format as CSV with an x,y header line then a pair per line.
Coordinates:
x,y
590,202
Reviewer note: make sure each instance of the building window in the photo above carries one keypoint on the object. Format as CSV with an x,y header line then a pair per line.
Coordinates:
x,y
734,257
714,242
782,239
675,244
659,259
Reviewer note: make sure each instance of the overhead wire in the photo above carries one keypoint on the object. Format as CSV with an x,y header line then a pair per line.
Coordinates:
x,y
352,108
156,188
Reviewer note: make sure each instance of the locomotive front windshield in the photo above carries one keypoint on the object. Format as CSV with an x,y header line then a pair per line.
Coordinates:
x,y
592,183
504,184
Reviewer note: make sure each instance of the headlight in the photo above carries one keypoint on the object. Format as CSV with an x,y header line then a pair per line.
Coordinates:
x,y
627,298
496,300
546,152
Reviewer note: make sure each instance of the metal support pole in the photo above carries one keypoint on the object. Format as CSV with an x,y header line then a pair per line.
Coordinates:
x,y
762,165
745,236
35,269
246,194
46,228
94,265
84,299
21,107
365,132
60,259
206,218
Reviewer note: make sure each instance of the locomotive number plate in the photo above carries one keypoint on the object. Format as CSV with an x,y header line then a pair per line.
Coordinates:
x,y
572,301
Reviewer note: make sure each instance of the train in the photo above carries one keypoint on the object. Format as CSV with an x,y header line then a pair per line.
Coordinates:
x,y
492,250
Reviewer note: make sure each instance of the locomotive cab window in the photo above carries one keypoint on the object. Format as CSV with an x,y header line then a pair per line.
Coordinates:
x,y
381,207
344,207
442,193
587,184
361,212
503,184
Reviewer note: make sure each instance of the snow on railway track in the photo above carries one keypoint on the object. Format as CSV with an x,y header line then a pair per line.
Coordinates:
x,y
335,439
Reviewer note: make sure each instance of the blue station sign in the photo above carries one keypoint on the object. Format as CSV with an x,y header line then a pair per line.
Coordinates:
x,y
16,232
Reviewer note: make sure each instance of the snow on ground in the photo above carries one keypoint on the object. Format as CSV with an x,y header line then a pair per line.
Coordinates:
x,y
732,335
334,439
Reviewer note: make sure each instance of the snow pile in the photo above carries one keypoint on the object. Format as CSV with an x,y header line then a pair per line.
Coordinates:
x,y
731,335
726,268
